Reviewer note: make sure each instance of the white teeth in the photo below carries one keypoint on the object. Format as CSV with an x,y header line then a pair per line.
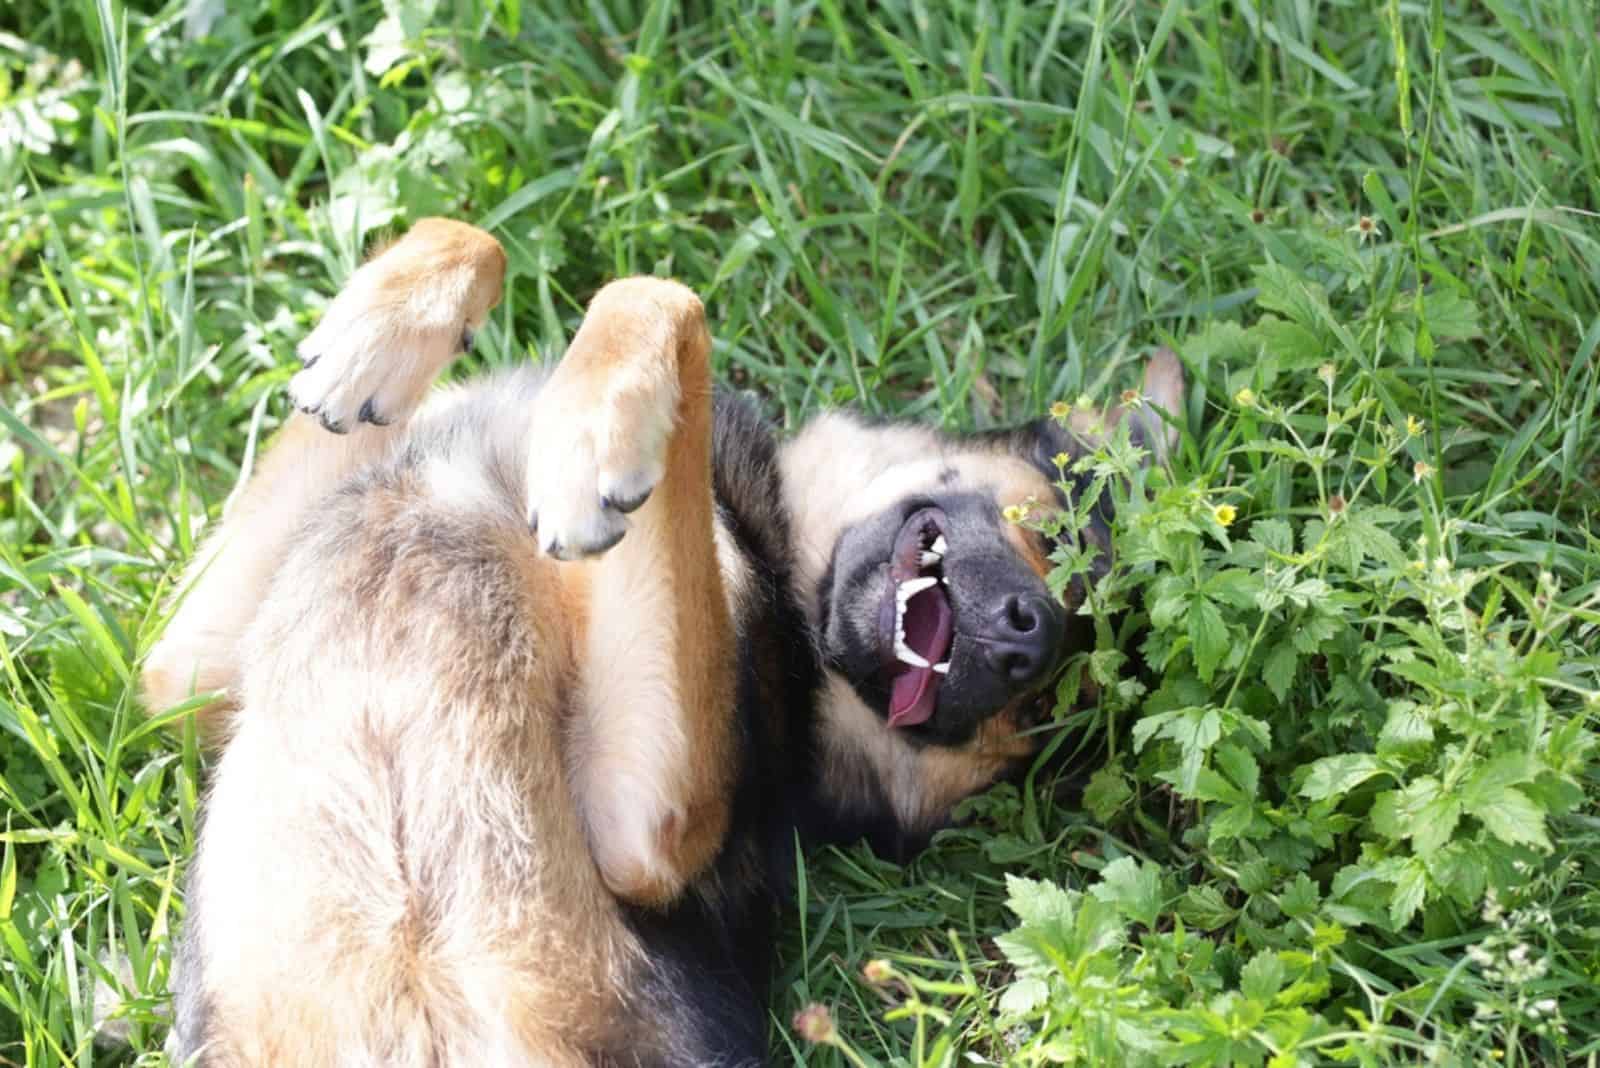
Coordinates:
x,y
907,655
939,545
902,595
943,669
929,558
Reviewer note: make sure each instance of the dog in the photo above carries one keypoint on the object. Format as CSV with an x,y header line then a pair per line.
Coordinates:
x,y
523,695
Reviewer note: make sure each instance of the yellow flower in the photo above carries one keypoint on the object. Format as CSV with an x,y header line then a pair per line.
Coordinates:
x,y
1084,401
1326,373
1224,514
1131,398
1420,471
1414,426
1060,410
1015,513
1061,460
1245,398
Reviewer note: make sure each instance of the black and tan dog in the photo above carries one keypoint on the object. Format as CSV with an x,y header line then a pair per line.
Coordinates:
x,y
528,693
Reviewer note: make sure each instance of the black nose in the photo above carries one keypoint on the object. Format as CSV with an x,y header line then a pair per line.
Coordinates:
x,y
1021,643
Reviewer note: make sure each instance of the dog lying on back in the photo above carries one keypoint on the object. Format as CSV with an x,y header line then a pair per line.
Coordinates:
x,y
527,693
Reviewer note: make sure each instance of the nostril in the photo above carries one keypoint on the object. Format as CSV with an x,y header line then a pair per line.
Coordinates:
x,y
1018,666
1021,614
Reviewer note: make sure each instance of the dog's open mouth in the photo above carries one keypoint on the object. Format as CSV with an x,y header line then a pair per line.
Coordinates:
x,y
917,620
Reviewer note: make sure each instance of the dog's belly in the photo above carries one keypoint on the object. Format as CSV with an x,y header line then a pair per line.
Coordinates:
x,y
392,868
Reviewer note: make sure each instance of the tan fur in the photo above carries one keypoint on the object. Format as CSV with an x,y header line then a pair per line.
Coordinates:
x,y
199,651
395,858
653,754
922,783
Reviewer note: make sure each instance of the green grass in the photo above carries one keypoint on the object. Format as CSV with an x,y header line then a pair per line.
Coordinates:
x,y
1321,741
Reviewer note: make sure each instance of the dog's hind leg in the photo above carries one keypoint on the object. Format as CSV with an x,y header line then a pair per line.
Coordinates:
x,y
400,319
621,445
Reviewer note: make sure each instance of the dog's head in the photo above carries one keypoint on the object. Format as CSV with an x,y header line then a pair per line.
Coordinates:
x,y
939,636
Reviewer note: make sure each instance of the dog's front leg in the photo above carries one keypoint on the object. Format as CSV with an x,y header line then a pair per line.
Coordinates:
x,y
400,319
621,466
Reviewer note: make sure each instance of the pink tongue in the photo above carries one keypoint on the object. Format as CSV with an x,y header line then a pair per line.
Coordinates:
x,y
915,690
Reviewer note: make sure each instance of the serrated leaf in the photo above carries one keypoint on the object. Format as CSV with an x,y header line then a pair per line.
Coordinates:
x,y
1282,290
1234,586
1450,315
1370,540
1514,818
1024,995
1209,636
1406,732
1133,889
1301,898
1240,766
1336,776
1108,791
1149,726
1274,535
1290,345
1206,785
1278,670
1263,977
1421,812
1460,870
1486,784
1203,907
1410,889
1037,902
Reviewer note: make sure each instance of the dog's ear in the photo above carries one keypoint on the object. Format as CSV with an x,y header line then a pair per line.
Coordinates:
x,y
1155,412
1154,416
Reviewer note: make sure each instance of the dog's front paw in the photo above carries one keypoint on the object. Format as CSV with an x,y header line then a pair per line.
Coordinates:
x,y
362,366
399,320
597,455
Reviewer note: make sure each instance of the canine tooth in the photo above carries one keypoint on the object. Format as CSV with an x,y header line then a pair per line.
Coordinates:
x,y
939,545
943,669
929,558
911,587
907,655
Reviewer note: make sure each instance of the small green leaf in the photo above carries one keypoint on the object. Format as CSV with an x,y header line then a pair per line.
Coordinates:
x,y
1410,889
1301,898
1107,793
1513,818
1023,996
1203,907
1263,977
1209,636
1336,776
1277,671
1133,888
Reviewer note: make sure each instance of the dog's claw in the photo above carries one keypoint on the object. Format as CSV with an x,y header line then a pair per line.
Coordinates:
x,y
625,504
566,553
369,415
330,425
